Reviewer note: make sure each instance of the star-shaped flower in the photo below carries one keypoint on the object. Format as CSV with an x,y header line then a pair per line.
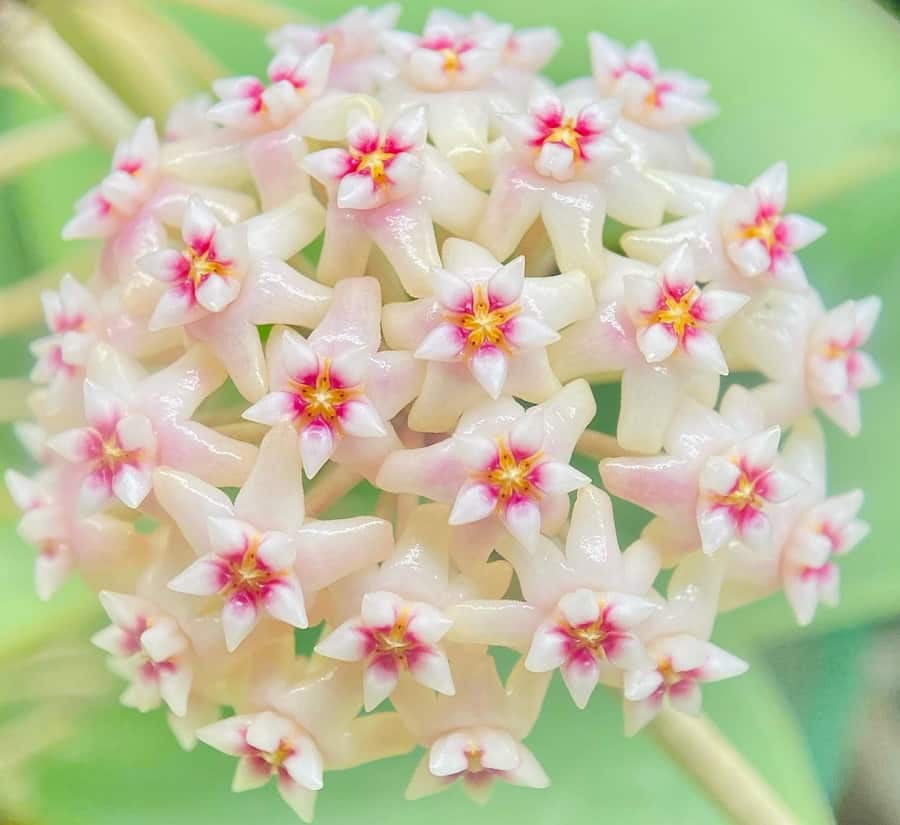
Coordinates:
x,y
813,358
357,63
301,724
132,180
659,330
336,388
654,98
485,332
672,314
558,153
581,607
716,482
475,737
228,279
403,608
676,639
388,188
150,650
739,235
812,531
502,461
135,423
250,106
256,554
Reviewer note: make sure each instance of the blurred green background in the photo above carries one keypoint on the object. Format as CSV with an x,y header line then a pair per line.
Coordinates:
x,y
812,82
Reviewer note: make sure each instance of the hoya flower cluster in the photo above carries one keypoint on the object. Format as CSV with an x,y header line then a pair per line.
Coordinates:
x,y
384,261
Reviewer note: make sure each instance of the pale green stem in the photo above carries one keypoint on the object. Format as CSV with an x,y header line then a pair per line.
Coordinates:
x,y
263,15
32,47
331,485
698,746
28,145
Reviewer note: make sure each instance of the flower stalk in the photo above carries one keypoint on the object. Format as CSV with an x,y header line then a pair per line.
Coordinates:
x,y
28,145
32,47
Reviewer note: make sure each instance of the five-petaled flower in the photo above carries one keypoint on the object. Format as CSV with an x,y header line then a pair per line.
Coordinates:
x,y
501,461
150,650
205,276
658,99
132,180
672,314
565,142
376,166
249,105
392,635
336,388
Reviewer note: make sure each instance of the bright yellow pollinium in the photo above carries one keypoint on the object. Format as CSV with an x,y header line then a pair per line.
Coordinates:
x,y
374,163
322,400
484,325
677,313
511,477
743,495
567,134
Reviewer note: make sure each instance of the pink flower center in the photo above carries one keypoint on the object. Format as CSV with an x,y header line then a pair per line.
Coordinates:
x,y
589,641
555,127
392,646
676,310
244,573
767,227
450,49
513,476
483,321
748,494
320,397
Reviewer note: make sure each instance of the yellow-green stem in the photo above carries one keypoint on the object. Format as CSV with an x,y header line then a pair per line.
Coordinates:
x,y
28,145
698,746
31,46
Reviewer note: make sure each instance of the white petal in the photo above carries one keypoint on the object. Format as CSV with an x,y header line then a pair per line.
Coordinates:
x,y
328,165
271,409
719,475
499,751
547,651
305,766
656,342
346,643
686,697
409,128
528,433
716,527
73,445
298,359
580,607
226,735
175,687
523,520
506,284
556,477
474,502
759,451
781,486
581,676
239,617
428,623
217,292
132,484
357,191
720,664
361,419
433,670
717,305
704,350
444,343
164,264
267,731
135,432
205,577
228,535
317,445
284,601
627,611
380,608
751,257
379,681
771,185
528,773
163,639
757,533
447,756
174,308
475,452
249,775
526,332
276,551
199,225
556,160
640,684
451,291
